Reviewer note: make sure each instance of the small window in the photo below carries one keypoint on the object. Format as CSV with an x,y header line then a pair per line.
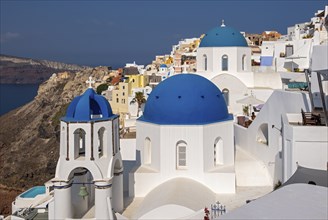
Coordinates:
x,y
243,64
123,87
123,101
147,151
224,63
225,93
289,50
117,100
205,62
218,151
181,155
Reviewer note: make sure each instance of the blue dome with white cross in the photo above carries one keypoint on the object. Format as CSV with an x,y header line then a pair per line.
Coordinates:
x,y
223,37
88,107
185,99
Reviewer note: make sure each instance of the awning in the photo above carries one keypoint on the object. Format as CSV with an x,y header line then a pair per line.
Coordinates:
x,y
305,175
250,100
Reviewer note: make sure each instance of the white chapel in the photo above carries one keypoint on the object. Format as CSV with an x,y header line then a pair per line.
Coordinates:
x,y
89,173
185,132
224,58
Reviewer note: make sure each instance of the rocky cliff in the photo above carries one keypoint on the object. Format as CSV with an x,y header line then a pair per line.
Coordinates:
x,y
29,135
16,70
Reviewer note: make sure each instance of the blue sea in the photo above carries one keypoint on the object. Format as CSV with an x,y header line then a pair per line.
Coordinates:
x,y
15,95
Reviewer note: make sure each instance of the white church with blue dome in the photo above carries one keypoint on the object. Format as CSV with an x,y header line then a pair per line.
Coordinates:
x,y
185,132
184,146
224,58
224,50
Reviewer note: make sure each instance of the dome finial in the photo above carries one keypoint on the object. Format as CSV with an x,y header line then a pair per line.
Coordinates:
x,y
90,81
222,24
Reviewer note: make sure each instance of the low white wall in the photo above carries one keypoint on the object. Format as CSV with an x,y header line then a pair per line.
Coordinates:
x,y
304,145
128,149
241,137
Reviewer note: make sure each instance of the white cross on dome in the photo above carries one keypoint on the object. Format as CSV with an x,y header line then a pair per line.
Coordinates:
x,y
90,81
222,24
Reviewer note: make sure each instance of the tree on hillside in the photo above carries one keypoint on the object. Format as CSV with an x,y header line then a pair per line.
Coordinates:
x,y
101,88
139,98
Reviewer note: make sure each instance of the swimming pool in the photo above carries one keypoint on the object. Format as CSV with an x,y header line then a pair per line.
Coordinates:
x,y
33,192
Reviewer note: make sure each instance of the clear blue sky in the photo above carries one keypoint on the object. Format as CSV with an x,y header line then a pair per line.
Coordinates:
x,y
116,32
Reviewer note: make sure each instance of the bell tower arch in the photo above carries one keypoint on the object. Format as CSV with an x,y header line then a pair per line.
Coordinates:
x,y
89,149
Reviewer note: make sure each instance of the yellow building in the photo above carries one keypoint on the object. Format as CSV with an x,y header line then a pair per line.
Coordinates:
x,y
120,95
138,81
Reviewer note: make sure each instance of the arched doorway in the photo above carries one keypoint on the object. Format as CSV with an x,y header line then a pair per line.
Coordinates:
x,y
82,184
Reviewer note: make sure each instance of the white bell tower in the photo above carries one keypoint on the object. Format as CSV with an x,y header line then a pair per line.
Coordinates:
x,y
89,172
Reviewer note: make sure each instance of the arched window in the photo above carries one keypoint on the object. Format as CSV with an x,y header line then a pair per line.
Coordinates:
x,y
205,62
243,63
263,134
225,93
224,63
147,151
218,151
181,155
79,142
102,140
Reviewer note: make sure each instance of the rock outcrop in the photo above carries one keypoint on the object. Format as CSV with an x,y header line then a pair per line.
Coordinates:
x,y
16,70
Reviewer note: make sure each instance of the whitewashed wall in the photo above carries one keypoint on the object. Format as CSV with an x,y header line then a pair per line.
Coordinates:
x,y
281,102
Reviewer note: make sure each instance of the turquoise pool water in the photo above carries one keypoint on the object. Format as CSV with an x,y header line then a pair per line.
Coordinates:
x,y
33,192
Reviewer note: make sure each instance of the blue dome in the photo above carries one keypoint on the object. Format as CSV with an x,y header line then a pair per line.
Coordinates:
x,y
185,99
88,107
163,66
223,37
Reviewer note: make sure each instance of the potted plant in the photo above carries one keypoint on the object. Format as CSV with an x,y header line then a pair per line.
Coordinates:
x,y
245,110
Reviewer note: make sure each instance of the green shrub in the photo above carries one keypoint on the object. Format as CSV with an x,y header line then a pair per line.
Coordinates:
x,y
101,88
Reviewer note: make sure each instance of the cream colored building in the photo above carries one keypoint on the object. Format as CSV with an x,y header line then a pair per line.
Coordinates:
x,y
120,96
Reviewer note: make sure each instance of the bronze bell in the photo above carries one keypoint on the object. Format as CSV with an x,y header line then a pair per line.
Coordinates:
x,y
83,191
